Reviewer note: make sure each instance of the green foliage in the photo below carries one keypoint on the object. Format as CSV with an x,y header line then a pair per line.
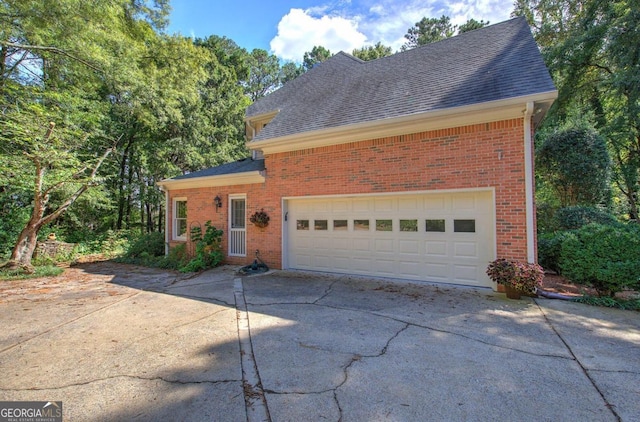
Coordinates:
x,y
602,256
592,49
521,276
574,217
577,164
264,75
610,302
430,30
550,249
208,251
177,258
318,54
40,271
372,52
471,25
151,244
109,243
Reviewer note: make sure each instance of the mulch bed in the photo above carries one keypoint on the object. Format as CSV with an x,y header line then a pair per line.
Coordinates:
x,y
556,283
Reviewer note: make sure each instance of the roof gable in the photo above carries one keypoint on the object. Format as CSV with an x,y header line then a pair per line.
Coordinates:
x,y
494,63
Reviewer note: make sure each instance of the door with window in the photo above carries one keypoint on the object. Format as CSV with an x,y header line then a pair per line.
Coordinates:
x,y
237,226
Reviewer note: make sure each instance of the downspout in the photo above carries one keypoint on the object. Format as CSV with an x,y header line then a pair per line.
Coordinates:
x,y
166,221
528,180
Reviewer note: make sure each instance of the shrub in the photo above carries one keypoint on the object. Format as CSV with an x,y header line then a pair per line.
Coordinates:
x,y
208,252
151,244
549,248
574,217
521,276
177,258
604,257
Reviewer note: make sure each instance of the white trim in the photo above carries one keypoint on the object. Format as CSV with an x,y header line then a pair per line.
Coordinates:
x,y
230,199
245,178
378,194
285,208
432,120
174,226
528,181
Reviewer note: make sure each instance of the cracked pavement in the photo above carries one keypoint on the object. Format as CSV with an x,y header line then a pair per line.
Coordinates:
x,y
126,343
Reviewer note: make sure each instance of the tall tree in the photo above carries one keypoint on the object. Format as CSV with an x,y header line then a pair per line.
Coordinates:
x,y
290,71
576,163
372,52
56,59
429,30
318,54
264,75
471,25
592,48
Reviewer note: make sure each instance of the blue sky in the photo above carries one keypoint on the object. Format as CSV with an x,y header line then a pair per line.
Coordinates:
x,y
289,28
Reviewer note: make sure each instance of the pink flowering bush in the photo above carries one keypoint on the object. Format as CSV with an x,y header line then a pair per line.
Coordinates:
x,y
519,275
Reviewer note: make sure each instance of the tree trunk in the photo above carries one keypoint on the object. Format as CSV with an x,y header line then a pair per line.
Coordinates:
x,y
23,250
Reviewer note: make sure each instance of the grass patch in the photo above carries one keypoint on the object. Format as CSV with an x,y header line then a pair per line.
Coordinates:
x,y
42,271
610,302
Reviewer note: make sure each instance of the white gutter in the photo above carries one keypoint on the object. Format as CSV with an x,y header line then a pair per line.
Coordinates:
x,y
528,180
244,178
430,120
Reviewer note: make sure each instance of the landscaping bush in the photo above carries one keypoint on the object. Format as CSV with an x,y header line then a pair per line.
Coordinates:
x,y
574,217
549,249
605,257
208,252
150,244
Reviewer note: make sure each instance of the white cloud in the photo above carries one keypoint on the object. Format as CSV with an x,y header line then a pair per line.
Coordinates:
x,y
345,25
299,31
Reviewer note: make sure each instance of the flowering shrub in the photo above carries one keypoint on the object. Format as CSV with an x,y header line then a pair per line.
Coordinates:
x,y
260,218
519,275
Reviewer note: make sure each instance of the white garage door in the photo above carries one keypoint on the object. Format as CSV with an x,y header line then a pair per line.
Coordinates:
x,y
447,238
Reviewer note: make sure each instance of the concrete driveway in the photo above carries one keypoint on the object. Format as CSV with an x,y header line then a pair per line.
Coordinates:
x,y
126,343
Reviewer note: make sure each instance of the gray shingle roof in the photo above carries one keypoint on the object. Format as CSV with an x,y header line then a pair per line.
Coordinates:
x,y
241,166
493,63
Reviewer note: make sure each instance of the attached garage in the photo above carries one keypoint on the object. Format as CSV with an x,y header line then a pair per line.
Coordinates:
x,y
435,237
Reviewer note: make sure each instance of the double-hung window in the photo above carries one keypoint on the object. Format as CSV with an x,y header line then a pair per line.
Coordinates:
x,y
180,219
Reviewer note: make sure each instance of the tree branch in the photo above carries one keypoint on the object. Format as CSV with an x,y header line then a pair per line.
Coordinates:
x,y
66,204
54,50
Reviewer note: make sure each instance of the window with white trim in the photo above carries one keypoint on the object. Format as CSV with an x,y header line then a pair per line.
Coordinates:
x,y
180,219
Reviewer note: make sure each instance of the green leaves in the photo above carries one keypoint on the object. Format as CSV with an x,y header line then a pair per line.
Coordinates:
x,y
576,163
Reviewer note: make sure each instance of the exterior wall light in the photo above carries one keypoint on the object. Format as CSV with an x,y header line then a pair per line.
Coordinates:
x,y
218,202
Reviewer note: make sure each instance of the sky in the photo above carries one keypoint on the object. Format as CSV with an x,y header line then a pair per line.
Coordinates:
x,y
290,28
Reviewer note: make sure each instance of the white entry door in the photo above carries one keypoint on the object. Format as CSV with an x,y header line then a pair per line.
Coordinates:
x,y
447,238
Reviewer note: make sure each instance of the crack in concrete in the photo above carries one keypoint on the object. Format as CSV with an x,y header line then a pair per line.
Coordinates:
x,y
355,357
67,323
613,371
138,377
202,299
327,291
608,405
427,327
256,406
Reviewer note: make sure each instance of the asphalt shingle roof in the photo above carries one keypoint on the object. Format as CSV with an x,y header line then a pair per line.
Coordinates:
x,y
241,166
493,63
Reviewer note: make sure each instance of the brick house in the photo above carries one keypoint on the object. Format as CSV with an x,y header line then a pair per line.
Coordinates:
x,y
416,166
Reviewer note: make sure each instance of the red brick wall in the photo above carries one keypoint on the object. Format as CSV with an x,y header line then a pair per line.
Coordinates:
x,y
475,156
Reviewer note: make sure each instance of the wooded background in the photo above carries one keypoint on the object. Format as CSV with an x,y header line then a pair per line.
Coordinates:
x,y
98,103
